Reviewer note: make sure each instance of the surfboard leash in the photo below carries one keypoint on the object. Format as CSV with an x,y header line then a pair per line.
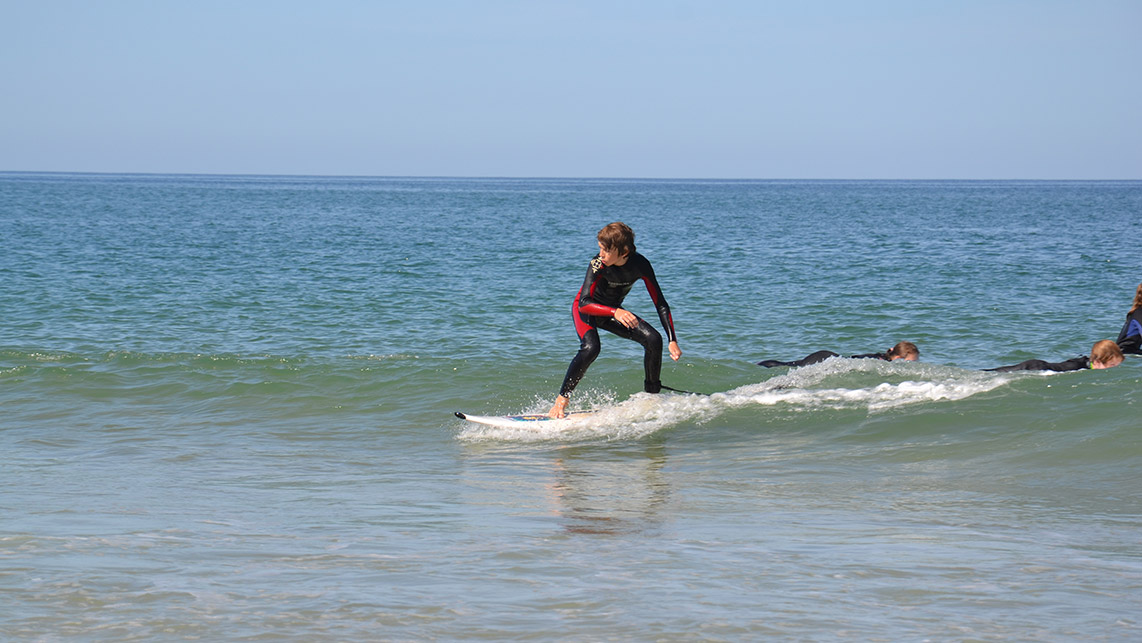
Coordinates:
x,y
678,390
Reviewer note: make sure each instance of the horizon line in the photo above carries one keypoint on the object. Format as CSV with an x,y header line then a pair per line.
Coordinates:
x,y
542,177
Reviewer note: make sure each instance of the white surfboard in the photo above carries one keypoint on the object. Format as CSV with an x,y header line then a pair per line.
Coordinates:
x,y
513,421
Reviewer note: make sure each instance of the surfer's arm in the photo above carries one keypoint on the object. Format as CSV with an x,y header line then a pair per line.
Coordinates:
x,y
587,304
621,315
662,307
880,356
1132,328
1076,364
597,310
664,315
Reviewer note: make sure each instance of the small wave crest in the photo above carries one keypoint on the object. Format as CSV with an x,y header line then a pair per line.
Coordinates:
x,y
874,385
835,384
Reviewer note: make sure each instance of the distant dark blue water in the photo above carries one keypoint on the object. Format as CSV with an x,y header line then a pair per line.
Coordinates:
x,y
226,412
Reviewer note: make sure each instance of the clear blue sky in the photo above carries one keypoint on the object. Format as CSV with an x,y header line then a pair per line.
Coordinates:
x,y
1022,89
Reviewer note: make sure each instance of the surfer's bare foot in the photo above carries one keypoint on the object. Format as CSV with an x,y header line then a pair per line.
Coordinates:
x,y
559,409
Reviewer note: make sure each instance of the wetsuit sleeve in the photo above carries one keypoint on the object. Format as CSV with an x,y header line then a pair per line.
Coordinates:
x,y
1029,365
1075,364
1130,328
811,358
659,302
587,304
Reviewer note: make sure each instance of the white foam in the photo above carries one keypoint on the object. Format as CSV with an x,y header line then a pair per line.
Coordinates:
x,y
643,414
920,383
855,384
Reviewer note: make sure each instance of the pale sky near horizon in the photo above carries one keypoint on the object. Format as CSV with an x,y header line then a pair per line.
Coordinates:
x,y
820,89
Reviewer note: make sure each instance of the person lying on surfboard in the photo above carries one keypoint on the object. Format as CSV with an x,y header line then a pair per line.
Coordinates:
x,y
1104,354
610,276
1130,337
904,350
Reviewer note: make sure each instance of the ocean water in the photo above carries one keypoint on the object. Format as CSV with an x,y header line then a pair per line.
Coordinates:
x,y
226,412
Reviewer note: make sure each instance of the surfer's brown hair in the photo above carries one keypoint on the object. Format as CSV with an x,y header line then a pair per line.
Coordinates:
x,y
1137,299
617,236
1105,351
904,350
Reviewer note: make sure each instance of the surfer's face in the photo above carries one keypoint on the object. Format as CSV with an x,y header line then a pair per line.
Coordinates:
x,y
1114,361
611,257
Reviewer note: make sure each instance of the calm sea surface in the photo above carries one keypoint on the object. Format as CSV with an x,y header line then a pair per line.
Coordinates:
x,y
226,412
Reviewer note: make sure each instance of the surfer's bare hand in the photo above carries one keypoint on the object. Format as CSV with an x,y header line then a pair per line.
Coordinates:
x,y
675,352
626,318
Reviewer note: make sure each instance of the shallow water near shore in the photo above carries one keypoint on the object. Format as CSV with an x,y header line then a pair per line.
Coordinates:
x,y
226,412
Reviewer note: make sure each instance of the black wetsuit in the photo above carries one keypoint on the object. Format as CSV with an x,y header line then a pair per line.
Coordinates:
x,y
1075,364
1130,338
603,291
820,356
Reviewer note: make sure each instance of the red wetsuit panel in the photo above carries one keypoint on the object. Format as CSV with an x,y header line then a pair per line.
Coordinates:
x,y
605,287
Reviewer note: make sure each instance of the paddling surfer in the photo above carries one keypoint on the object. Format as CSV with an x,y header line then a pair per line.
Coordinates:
x,y
1104,354
904,350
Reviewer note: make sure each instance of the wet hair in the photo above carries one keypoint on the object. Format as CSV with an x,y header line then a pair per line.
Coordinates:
x,y
617,236
1137,299
903,350
1105,351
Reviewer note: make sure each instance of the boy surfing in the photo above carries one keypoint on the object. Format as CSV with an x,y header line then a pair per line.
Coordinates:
x,y
610,276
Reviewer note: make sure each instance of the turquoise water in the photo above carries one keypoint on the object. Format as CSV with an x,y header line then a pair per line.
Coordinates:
x,y
226,412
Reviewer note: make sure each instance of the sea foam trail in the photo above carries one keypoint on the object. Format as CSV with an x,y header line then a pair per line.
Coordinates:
x,y
838,383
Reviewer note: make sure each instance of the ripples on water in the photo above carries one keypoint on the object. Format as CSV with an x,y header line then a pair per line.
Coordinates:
x,y
226,412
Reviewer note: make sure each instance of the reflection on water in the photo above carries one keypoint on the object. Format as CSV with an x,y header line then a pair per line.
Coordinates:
x,y
610,492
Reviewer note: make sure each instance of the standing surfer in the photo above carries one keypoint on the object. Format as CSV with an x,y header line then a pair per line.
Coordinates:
x,y
610,276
